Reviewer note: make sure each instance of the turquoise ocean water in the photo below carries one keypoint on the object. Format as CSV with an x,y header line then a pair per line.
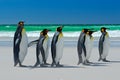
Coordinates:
x,y
69,30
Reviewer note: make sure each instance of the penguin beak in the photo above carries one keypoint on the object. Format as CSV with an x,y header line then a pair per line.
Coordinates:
x,y
61,27
85,30
91,32
48,30
105,28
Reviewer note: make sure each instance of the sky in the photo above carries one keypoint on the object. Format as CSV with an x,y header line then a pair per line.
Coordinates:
x,y
60,11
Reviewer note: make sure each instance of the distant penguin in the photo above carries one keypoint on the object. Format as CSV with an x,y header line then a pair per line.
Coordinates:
x,y
81,47
20,44
42,48
57,47
89,45
104,44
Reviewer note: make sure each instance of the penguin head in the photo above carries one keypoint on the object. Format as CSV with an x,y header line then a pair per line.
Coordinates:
x,y
90,32
59,29
45,31
103,29
21,23
85,30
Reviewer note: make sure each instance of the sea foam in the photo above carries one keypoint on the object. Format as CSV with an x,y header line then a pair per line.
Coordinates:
x,y
114,33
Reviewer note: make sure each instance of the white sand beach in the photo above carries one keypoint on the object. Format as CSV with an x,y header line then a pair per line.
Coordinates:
x,y
70,71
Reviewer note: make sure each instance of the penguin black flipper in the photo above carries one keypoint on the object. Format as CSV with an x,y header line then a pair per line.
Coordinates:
x,y
80,47
33,42
16,47
53,46
39,48
101,40
83,45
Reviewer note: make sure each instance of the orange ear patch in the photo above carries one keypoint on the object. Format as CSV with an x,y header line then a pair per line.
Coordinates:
x,y
82,30
87,32
102,30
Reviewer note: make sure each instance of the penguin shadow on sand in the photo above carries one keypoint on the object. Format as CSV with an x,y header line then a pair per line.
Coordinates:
x,y
25,66
49,66
114,61
103,63
96,64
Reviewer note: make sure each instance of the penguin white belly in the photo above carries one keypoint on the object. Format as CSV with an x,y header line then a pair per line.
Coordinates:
x,y
106,45
23,47
89,46
59,49
90,49
46,48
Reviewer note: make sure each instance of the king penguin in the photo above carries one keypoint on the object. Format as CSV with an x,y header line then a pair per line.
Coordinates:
x,y
20,44
42,48
81,47
104,44
89,44
57,47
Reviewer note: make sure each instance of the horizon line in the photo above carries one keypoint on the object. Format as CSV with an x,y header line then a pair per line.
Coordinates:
x,y
59,24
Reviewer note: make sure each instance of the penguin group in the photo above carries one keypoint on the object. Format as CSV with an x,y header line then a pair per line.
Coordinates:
x,y
84,46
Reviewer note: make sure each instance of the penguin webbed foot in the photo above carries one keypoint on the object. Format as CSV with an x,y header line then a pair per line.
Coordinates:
x,y
22,65
36,64
56,65
104,60
88,61
46,64
42,65
53,64
59,65
85,63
